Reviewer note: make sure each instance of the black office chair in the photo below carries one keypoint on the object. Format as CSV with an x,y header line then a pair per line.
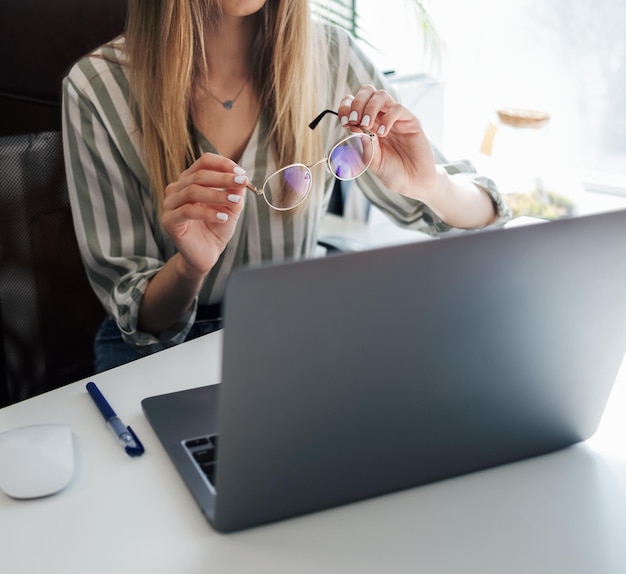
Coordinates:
x,y
48,312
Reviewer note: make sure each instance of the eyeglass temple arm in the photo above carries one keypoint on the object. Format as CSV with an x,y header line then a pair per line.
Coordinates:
x,y
319,118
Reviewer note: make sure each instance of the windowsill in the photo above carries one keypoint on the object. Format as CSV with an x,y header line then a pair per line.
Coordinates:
x,y
567,192
587,199
604,183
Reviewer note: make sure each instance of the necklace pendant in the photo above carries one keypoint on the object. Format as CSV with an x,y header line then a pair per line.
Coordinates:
x,y
228,104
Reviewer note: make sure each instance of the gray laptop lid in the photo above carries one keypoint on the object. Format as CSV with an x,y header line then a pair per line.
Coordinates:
x,y
359,374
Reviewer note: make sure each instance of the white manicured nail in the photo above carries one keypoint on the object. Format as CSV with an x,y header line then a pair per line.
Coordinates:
x,y
381,130
344,120
239,170
234,198
222,216
354,116
240,179
365,121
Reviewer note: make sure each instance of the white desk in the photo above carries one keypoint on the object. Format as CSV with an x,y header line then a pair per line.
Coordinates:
x,y
362,235
561,513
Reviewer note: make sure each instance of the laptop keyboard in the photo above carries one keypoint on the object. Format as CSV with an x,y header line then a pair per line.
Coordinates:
x,y
203,451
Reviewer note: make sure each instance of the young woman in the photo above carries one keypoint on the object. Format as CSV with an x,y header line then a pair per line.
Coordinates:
x,y
171,129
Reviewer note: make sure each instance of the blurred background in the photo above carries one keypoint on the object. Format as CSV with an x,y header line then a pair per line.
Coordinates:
x,y
458,63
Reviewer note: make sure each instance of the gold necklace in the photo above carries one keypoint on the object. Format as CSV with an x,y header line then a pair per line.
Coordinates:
x,y
228,104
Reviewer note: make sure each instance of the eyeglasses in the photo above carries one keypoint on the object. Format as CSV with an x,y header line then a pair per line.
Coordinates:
x,y
288,187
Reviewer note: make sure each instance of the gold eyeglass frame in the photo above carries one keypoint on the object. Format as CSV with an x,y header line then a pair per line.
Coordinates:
x,y
326,159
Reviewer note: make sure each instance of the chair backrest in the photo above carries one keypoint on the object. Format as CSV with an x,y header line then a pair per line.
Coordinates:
x,y
48,312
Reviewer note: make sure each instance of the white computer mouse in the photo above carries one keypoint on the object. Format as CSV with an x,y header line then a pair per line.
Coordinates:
x,y
36,460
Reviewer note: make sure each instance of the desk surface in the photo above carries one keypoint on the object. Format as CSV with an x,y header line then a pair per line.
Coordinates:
x,y
560,513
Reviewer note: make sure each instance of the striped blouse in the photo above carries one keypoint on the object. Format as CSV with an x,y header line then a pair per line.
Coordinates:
x,y
120,238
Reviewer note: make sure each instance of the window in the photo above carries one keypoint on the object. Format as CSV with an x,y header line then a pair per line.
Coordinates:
x,y
564,57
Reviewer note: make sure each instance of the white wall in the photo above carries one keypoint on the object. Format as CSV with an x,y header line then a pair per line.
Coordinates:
x,y
567,57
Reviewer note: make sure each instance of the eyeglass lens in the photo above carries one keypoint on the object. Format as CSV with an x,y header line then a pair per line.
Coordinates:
x,y
289,187
351,157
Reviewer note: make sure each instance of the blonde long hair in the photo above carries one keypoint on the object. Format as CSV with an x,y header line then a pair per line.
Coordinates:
x,y
165,48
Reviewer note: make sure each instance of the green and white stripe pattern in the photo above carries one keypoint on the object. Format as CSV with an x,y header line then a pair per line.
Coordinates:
x,y
121,241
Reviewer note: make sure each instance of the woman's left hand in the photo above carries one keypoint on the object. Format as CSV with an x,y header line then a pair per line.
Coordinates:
x,y
404,161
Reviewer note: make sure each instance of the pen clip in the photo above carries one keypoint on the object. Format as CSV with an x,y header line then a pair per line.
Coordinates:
x,y
136,450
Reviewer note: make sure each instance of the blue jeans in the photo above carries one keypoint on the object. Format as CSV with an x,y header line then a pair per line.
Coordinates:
x,y
111,351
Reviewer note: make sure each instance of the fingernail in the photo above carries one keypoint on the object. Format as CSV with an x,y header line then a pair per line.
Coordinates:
x,y
234,198
222,216
354,116
239,170
240,179
381,130
344,120
365,121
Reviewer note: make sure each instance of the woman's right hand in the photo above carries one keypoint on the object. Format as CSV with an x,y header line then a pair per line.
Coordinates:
x,y
201,210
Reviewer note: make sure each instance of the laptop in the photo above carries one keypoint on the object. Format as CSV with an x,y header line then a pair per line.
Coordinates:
x,y
359,374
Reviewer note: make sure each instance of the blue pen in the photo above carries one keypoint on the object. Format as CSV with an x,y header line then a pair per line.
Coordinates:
x,y
128,439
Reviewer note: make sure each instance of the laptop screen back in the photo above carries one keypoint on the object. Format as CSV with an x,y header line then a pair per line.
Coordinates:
x,y
359,374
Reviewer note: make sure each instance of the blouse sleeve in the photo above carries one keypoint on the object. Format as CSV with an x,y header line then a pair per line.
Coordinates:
x,y
113,212
405,211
